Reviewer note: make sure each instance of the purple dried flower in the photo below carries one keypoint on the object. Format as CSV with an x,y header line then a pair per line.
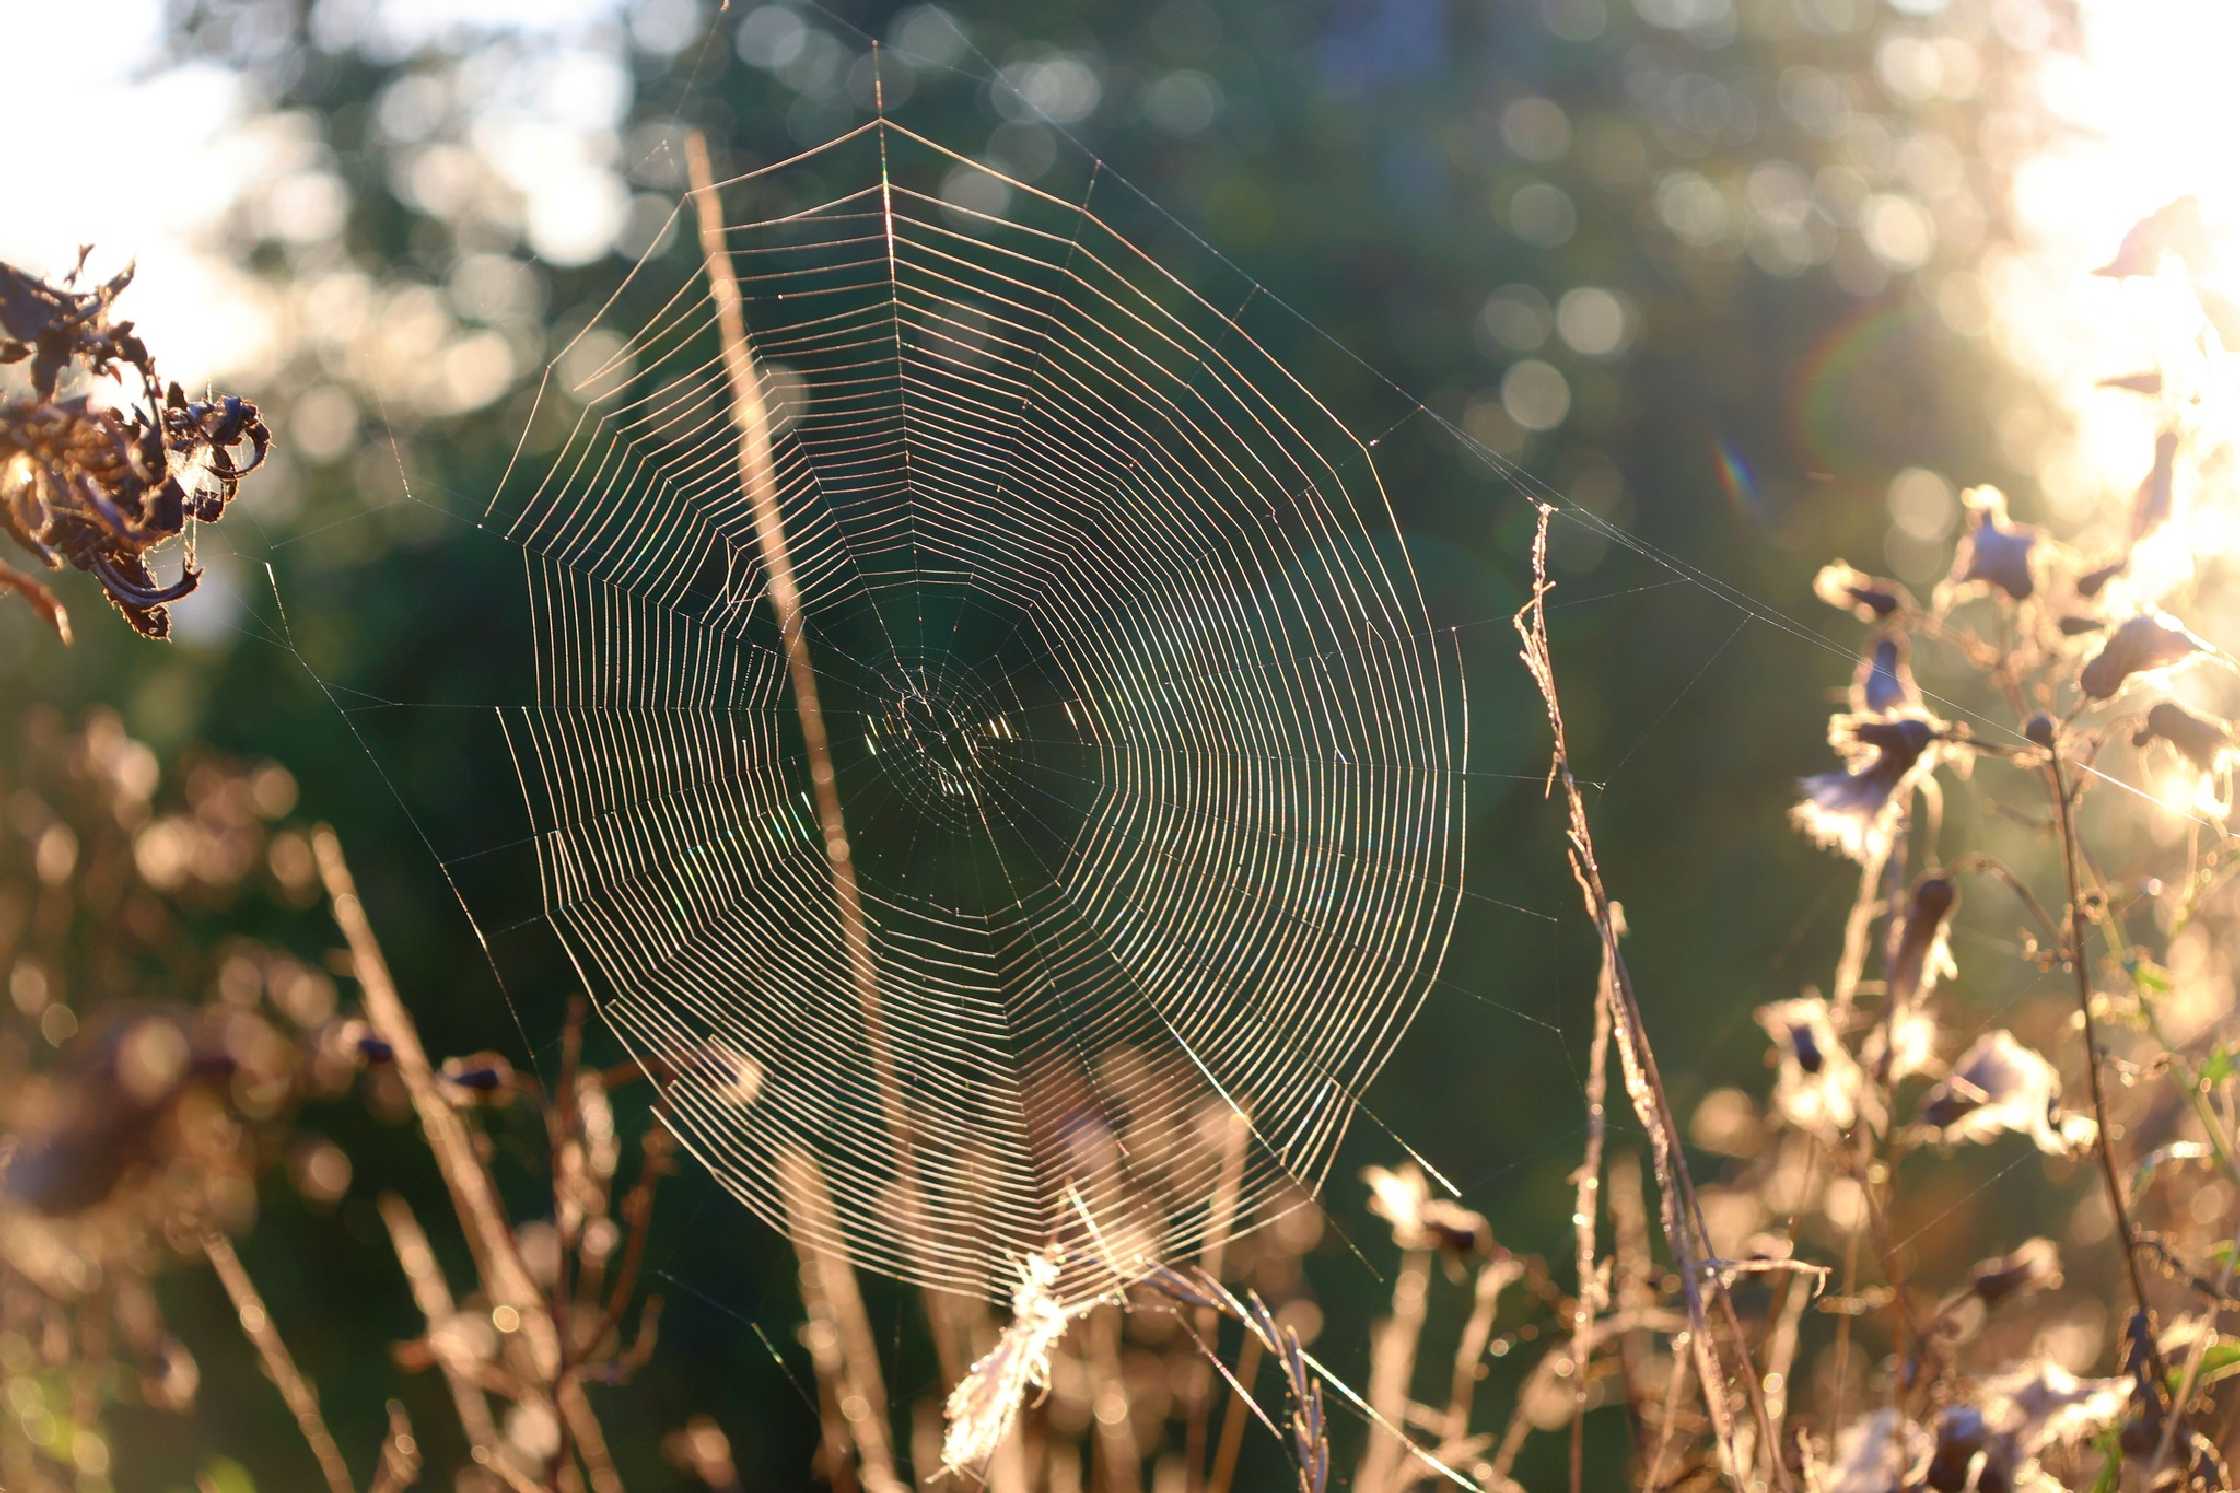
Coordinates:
x,y
1820,1088
1851,809
2144,644
2202,740
2033,1265
484,1078
2156,499
1998,1086
1866,597
1923,953
1994,552
1883,682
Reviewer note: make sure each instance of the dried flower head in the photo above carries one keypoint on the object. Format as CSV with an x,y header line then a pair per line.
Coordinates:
x,y
2038,1405
2204,743
1402,1197
2202,740
1994,553
1992,1443
95,487
2157,498
1924,952
1851,810
1869,598
2174,230
1883,682
1820,1088
480,1078
985,1403
1998,1086
1875,1454
1398,1196
2146,644
2033,1265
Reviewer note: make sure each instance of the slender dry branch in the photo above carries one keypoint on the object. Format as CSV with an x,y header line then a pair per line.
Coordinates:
x,y
1494,1277
473,1193
279,1363
1392,1363
1120,1453
1199,1391
2126,1235
758,476
1585,1204
432,1294
400,1455
841,1344
1682,1217
1231,1446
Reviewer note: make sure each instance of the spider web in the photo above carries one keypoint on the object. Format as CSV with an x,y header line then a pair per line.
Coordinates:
x,y
1149,757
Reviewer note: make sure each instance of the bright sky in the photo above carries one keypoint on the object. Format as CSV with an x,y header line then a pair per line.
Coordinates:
x,y
91,179
202,317
2153,101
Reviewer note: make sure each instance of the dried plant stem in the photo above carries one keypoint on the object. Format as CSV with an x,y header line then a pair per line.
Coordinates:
x,y
1676,1388
2197,1357
2126,1235
1199,1392
1634,1286
758,478
1684,1228
279,1363
1232,1427
474,1195
1858,928
1494,1277
432,1294
841,1344
1553,1365
1392,1363
400,1455
1120,1453
1585,1204
1781,1358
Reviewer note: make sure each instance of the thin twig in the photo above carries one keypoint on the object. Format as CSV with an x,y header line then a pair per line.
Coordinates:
x,y
1585,1206
279,1364
400,1464
758,476
473,1194
1199,1393
1392,1363
1494,1277
1684,1227
2125,1234
432,1294
841,1344
1241,1406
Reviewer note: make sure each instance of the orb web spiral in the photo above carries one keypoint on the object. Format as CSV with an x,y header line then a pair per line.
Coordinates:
x,y
1147,750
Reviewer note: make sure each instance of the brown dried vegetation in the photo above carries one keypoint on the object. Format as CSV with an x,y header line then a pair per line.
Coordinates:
x,y
96,485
